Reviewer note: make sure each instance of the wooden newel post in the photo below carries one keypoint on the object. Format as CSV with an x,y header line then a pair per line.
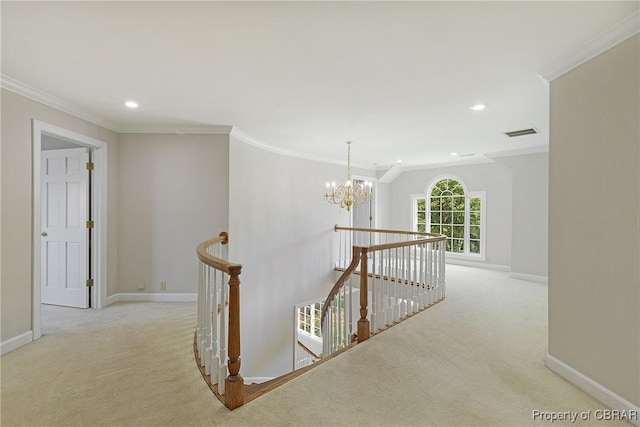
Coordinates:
x,y
363,322
234,383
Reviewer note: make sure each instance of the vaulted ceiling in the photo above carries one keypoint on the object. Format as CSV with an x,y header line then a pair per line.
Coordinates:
x,y
397,78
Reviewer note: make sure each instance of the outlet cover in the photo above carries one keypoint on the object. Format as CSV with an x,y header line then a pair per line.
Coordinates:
x,y
140,286
163,285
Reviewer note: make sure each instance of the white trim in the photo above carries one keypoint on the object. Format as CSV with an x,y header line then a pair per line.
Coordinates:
x,y
465,262
257,380
589,386
200,130
243,137
519,152
628,27
99,210
529,277
42,97
477,159
15,342
151,297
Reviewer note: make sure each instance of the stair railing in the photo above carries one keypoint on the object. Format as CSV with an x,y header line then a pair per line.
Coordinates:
x,y
400,274
218,330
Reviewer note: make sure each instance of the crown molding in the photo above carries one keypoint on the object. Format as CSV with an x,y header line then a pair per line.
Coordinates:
x,y
519,152
23,89
243,137
42,97
628,27
201,130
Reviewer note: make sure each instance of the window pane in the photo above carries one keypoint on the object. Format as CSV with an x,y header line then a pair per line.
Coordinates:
x,y
474,246
421,217
447,204
435,228
458,218
474,218
422,228
436,217
446,230
421,205
458,232
456,188
459,203
436,190
475,204
448,248
446,217
435,203
474,232
458,245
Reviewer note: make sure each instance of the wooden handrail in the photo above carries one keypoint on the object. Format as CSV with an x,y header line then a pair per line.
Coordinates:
x,y
308,350
361,254
388,231
234,393
355,260
217,263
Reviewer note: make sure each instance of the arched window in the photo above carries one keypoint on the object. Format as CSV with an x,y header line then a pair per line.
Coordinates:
x,y
449,209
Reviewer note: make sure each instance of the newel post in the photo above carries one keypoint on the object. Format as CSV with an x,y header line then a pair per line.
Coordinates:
x,y
234,383
363,322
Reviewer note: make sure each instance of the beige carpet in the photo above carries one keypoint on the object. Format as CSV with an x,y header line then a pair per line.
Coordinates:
x,y
474,360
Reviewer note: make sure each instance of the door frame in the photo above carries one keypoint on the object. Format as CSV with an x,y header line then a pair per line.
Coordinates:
x,y
98,208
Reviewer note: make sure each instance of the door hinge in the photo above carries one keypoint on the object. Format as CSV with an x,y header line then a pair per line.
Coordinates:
x,y
89,224
89,283
90,166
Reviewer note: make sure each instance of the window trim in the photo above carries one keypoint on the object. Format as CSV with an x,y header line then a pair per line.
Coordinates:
x,y
468,196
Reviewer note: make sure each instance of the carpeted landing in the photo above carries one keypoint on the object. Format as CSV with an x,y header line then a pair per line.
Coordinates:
x,y
476,359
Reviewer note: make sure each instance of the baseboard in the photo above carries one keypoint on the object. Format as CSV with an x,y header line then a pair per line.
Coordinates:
x,y
466,263
151,297
530,277
15,342
596,390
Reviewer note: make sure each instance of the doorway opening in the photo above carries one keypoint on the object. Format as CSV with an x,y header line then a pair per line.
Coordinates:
x,y
84,254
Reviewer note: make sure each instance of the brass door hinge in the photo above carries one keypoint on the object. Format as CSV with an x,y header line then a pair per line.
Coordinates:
x,y
89,224
89,283
89,166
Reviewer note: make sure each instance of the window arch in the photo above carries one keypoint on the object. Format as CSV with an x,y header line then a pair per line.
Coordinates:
x,y
449,208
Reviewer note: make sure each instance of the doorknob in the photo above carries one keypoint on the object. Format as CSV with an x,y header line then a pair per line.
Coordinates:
x,y
44,234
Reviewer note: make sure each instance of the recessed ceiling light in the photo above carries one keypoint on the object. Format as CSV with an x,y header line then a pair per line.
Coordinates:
x,y
398,161
478,107
131,104
454,154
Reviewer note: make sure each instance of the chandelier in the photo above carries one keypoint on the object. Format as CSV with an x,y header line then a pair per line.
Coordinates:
x,y
349,193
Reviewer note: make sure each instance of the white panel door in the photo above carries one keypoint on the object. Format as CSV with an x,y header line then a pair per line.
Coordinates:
x,y
65,209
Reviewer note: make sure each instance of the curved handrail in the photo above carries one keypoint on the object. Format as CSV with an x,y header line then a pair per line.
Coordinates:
x,y
390,231
217,263
212,331
355,260
363,253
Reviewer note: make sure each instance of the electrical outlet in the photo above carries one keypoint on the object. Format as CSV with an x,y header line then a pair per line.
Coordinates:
x,y
140,286
163,285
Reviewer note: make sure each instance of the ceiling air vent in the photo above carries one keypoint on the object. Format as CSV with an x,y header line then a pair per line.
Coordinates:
x,y
522,132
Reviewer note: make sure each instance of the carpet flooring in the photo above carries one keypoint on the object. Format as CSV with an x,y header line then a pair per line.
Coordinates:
x,y
476,359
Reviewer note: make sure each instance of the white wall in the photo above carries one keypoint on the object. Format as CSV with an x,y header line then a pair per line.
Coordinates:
x,y
493,178
281,231
173,195
594,200
382,198
17,210
530,222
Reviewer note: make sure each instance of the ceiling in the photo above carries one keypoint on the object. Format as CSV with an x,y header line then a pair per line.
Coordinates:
x,y
397,78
